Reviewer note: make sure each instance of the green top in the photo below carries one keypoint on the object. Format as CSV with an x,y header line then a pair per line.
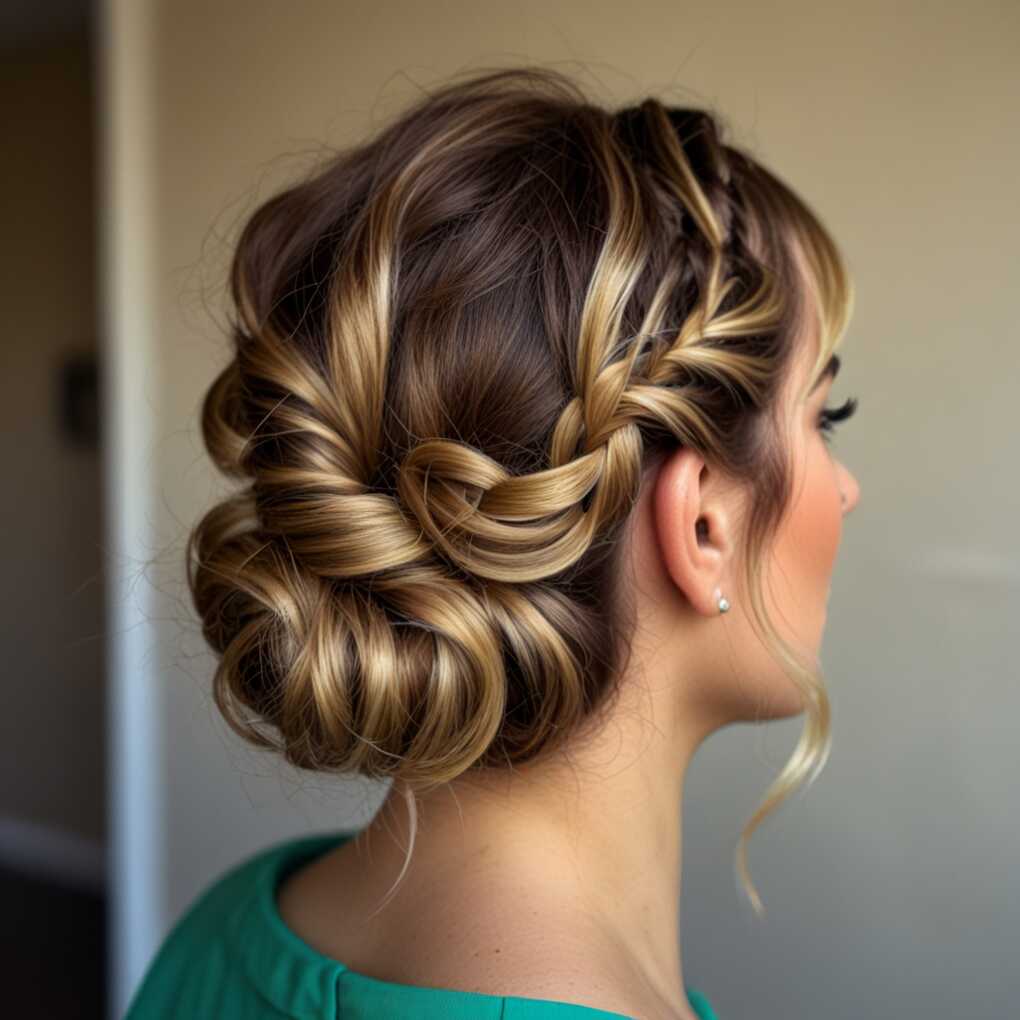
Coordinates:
x,y
231,957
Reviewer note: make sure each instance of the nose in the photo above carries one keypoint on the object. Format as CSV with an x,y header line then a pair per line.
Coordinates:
x,y
850,488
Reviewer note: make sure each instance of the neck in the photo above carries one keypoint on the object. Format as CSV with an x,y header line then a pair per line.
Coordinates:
x,y
592,848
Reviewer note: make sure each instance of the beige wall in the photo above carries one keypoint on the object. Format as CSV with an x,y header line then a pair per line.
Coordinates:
x,y
891,884
52,803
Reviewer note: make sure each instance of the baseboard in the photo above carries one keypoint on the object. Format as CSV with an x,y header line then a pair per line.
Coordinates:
x,y
52,854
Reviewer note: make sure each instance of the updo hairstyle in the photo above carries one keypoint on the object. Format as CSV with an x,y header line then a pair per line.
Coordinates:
x,y
457,349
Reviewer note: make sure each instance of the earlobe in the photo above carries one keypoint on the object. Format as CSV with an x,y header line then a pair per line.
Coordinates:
x,y
692,528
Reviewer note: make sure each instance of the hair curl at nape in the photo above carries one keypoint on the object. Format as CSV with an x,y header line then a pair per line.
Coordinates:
x,y
457,347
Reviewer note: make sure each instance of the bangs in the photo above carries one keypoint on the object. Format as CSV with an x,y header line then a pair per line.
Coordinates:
x,y
791,238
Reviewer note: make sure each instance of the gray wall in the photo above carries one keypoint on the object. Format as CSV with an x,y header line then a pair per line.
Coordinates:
x,y
889,883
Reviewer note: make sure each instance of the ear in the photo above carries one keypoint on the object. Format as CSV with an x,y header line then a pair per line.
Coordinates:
x,y
693,524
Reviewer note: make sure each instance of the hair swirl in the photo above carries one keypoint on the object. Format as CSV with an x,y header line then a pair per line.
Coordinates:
x,y
457,347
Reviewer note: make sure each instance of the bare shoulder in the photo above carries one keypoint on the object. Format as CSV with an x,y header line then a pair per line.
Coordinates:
x,y
511,948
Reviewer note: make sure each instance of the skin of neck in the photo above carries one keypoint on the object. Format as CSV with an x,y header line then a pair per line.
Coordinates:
x,y
586,852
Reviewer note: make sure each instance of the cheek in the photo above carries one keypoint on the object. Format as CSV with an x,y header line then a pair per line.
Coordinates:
x,y
819,516
812,531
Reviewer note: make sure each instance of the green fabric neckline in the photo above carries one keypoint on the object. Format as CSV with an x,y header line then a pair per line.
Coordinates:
x,y
272,965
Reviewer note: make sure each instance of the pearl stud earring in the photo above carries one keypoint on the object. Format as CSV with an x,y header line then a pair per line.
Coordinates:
x,y
724,604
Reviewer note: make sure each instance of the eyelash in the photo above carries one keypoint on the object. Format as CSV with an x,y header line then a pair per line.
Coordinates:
x,y
830,416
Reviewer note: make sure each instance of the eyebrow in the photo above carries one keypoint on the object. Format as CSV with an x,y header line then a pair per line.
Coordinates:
x,y
831,369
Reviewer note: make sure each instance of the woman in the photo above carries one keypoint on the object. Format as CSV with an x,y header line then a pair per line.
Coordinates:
x,y
529,403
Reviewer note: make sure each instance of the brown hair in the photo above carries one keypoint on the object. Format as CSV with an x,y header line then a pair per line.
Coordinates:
x,y
458,346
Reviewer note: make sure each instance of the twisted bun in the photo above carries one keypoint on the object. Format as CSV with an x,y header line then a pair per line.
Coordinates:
x,y
457,349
